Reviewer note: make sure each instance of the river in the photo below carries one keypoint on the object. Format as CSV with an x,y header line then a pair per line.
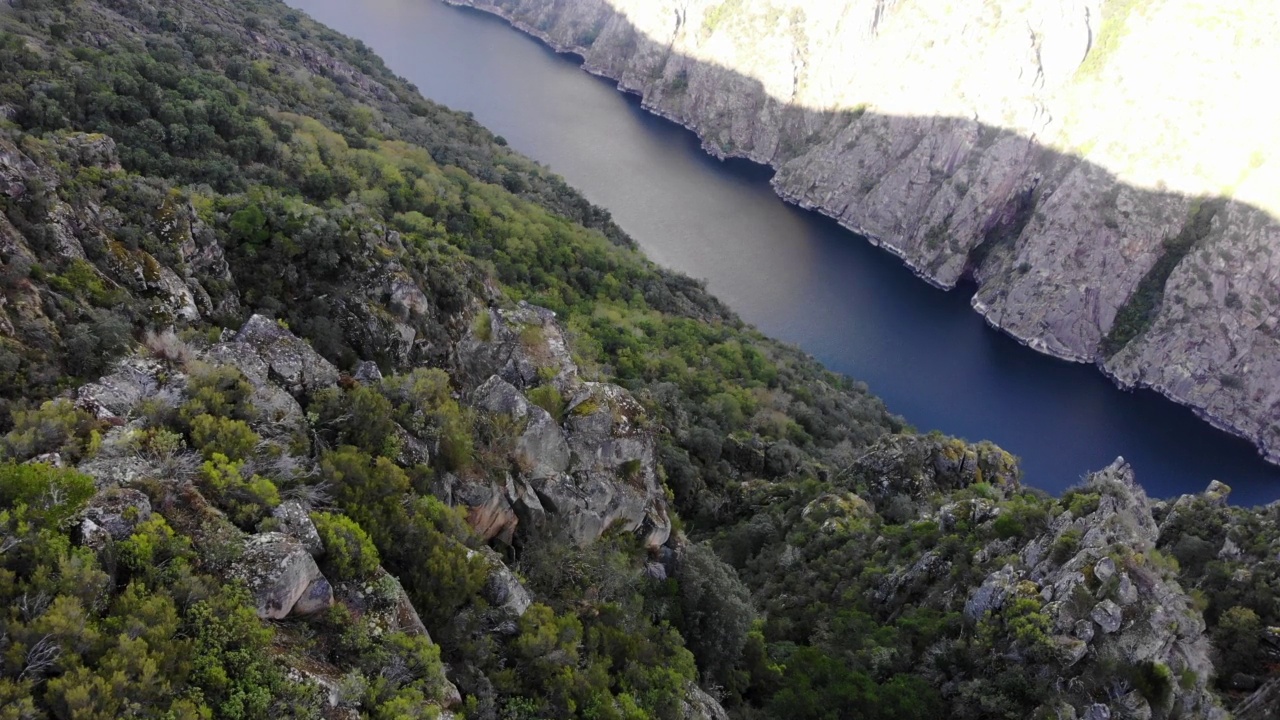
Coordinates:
x,y
795,274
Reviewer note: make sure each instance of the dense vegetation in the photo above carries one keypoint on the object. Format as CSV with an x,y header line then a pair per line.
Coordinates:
x,y
268,165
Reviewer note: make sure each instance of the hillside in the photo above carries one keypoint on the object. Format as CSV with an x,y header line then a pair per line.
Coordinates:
x,y
1113,201
320,401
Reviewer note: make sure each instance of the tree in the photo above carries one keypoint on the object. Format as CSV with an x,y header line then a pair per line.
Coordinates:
x,y
715,612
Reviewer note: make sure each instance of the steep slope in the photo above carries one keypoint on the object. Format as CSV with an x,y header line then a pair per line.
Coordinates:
x,y
323,403
1113,200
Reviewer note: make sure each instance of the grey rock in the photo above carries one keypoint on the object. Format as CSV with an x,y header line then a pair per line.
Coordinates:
x,y
917,466
367,373
1108,615
1126,591
94,150
521,346
526,503
1097,711
52,459
281,412
1218,492
292,362
1084,630
991,595
1244,682
278,570
115,511
1229,551
1105,569
317,597
295,522
1070,650
700,705
382,601
133,380
489,510
1262,704
1133,705
503,590
541,450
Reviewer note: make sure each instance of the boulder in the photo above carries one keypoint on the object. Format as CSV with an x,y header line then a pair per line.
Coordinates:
x,y
1262,704
523,346
317,597
1096,711
279,572
919,465
1217,492
1104,569
112,514
1108,615
115,395
1070,650
382,601
489,511
992,594
367,373
1244,682
1126,591
541,450
503,590
700,705
295,522
280,409
93,150
292,361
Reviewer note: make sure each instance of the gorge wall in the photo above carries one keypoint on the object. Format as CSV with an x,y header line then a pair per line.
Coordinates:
x,y
1090,165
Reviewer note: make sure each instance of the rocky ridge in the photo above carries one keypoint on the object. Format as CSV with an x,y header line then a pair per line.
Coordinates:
x,y
585,489
1090,574
1016,153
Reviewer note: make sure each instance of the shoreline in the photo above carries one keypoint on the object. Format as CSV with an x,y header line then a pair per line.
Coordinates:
x,y
1270,455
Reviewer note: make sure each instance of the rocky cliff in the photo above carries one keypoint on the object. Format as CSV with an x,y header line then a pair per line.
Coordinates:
x,y
1114,201
320,402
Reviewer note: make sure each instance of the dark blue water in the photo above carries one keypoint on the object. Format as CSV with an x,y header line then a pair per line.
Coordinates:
x,y
794,274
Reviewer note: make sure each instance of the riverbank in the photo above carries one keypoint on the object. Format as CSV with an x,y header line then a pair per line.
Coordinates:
x,y
1044,315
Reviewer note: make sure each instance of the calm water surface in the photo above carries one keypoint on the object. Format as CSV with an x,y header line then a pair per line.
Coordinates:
x,y
794,274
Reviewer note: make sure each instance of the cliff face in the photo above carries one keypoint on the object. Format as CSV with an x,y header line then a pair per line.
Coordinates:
x,y
1111,198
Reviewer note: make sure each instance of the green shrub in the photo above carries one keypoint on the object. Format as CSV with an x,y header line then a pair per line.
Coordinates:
x,y
1007,526
214,435
1154,681
56,426
1066,545
50,494
548,398
218,390
245,500
349,553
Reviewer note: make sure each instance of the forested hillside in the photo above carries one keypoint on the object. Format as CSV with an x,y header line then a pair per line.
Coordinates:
x,y
320,401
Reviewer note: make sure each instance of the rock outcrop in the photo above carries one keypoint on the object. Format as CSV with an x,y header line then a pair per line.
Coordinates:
x,y
1107,598
282,576
1011,144
112,515
594,470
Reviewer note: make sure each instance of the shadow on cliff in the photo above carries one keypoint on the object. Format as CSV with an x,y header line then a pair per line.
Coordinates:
x,y
964,202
